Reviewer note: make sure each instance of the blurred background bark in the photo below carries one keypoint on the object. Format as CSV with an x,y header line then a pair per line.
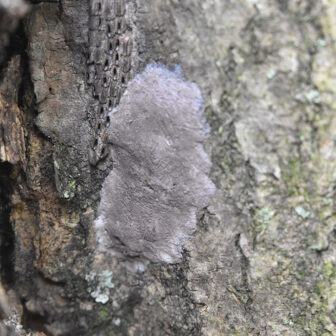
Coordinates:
x,y
263,260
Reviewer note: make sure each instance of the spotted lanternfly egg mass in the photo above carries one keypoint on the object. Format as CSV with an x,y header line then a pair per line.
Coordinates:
x,y
159,179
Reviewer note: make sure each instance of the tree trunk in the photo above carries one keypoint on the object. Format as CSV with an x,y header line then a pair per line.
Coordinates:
x,y
262,260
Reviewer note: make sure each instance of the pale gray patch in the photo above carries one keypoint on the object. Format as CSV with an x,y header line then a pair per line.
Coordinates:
x,y
159,180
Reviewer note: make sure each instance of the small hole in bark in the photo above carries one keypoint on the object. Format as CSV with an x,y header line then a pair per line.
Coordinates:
x,y
106,65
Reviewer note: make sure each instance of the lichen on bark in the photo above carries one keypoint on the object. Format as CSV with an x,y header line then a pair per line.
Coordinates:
x,y
263,257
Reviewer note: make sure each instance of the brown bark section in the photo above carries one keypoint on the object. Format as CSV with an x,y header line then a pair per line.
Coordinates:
x,y
11,119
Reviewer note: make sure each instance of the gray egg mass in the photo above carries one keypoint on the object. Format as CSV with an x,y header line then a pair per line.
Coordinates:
x,y
159,181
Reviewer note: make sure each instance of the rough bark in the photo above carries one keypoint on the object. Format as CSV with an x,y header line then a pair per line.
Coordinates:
x,y
263,259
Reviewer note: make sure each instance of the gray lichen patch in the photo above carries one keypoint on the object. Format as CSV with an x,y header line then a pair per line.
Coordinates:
x,y
159,180
101,283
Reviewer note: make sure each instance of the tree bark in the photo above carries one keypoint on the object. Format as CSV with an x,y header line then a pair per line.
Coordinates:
x,y
263,258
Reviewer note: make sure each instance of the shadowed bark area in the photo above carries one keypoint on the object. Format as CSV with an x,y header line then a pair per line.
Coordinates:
x,y
262,260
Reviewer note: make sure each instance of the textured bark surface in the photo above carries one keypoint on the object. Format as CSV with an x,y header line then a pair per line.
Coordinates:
x,y
263,259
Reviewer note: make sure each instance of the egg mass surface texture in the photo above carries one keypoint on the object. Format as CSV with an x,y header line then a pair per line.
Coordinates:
x,y
160,177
